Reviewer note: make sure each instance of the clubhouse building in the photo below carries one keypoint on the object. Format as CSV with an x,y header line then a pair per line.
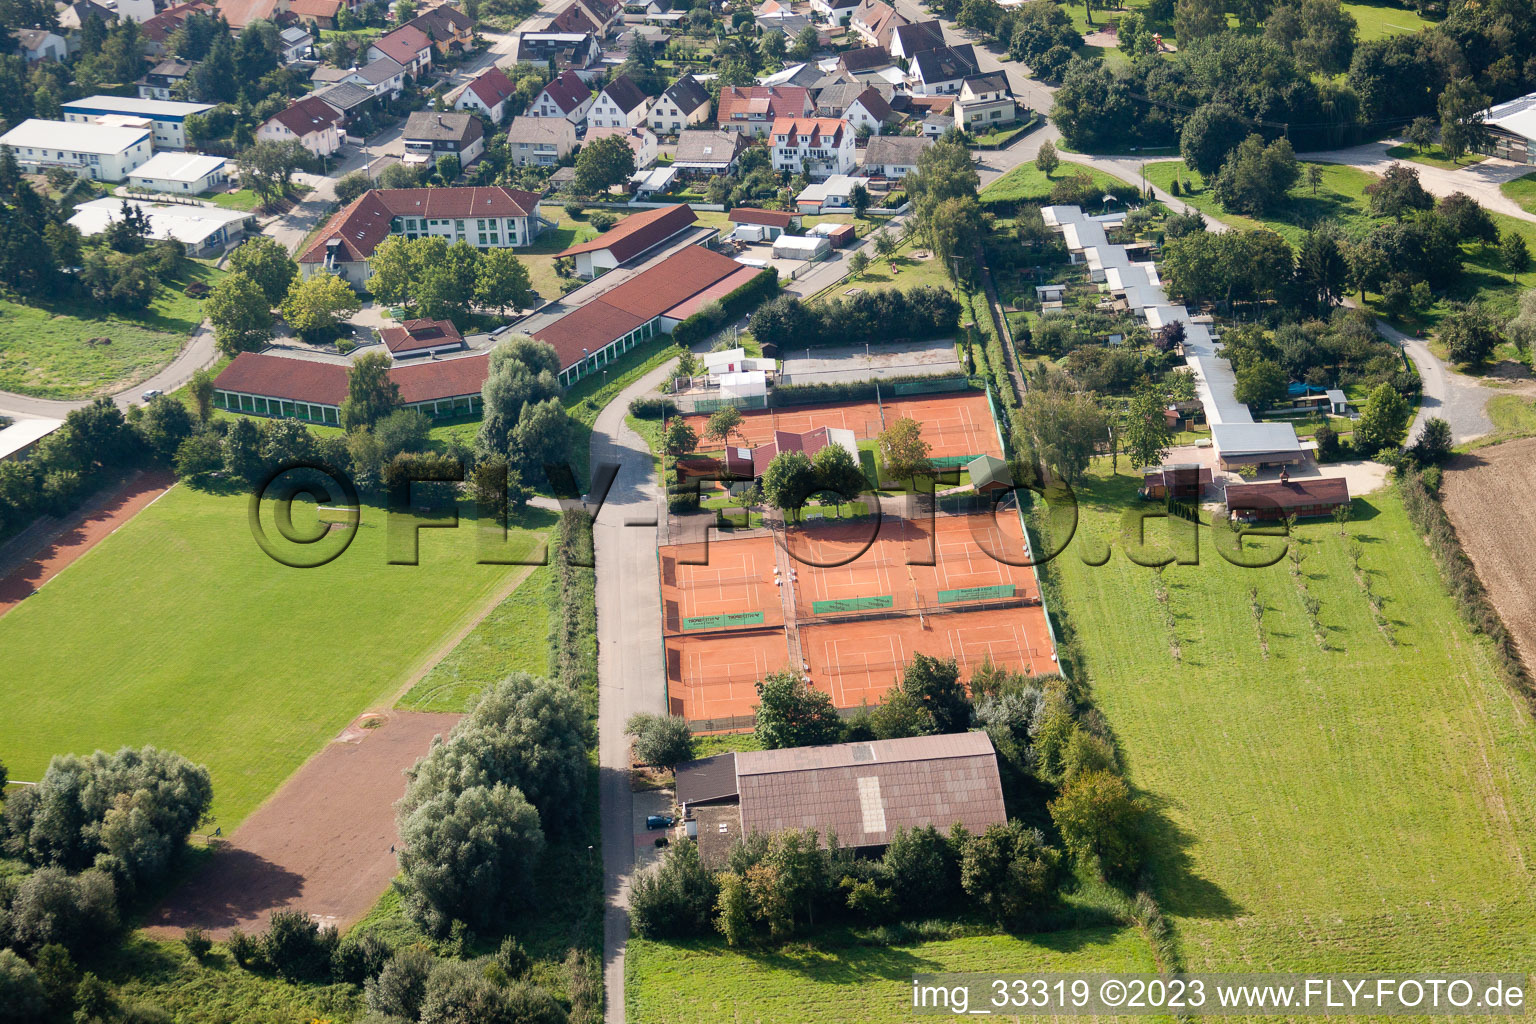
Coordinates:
x,y
305,389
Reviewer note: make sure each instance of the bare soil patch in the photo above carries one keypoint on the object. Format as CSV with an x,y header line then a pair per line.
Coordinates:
x,y
323,844
42,552
1490,496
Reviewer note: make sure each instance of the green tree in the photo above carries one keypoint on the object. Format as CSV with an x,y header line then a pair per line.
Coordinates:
x,y
350,187
521,370
1314,175
1196,19
934,684
165,423
267,167
1514,254
924,870
240,314
805,43
543,436
1011,874
603,163
1383,421
1420,134
857,263
674,899
1145,436
1256,178
858,198
201,389
265,261
502,282
1101,823
1067,430
788,482
661,740
1046,160
1461,107
316,307
903,451
734,910
722,423
371,393
838,471
1398,192
1210,134
955,235
1261,384
679,438
1321,265
793,713
1470,333
21,995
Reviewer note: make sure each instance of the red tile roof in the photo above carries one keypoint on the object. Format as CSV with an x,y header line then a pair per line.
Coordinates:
x,y
298,380
325,383
638,232
240,13
403,44
752,215
1273,495
415,335
315,8
159,28
764,100
308,115
365,223
647,295
573,19
813,128
808,443
568,91
718,290
492,87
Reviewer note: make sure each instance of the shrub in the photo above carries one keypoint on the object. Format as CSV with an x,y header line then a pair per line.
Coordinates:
x,y
512,958
245,950
651,408
21,994
197,942
195,290
1101,823
75,911
661,740
401,986
359,958
675,898
602,219
296,948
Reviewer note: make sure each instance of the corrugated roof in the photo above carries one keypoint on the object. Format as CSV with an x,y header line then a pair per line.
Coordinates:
x,y
708,778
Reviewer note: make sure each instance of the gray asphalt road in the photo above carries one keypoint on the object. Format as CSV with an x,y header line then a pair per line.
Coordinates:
x,y
1454,397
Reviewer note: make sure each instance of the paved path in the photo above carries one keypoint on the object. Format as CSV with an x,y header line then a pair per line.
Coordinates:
x,y
1454,397
1481,180
631,675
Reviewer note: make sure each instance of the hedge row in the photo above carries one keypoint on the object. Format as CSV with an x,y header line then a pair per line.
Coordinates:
x,y
717,314
652,408
575,627
1429,519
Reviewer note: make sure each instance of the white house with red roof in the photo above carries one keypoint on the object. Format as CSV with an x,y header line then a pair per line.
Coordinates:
x,y
312,122
819,146
567,96
754,108
487,218
407,44
487,94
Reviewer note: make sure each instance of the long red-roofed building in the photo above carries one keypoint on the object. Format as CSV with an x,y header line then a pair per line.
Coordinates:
x,y
631,237
487,218
306,389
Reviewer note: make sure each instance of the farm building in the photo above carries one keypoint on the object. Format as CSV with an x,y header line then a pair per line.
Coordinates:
x,y
1314,496
862,792
1180,480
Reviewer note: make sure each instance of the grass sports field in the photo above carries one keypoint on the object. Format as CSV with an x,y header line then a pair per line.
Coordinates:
x,y
1367,807
178,631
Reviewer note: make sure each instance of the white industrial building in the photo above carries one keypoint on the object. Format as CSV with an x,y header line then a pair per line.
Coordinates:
x,y
167,116
186,173
104,152
205,229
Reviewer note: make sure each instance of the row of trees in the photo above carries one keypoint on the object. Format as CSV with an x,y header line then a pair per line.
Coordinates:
x,y
263,277
873,317
447,282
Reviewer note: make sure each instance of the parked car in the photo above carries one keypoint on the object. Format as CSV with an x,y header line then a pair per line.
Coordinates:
x,y
151,393
659,821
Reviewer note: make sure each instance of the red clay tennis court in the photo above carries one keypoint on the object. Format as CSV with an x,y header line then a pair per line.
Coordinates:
x,y
715,676
735,588
953,425
857,662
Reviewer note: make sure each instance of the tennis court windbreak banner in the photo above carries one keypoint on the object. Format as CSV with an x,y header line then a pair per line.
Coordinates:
x,y
976,593
931,385
723,621
852,604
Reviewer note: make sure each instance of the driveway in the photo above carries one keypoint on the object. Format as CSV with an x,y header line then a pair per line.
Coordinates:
x,y
1454,397
1481,180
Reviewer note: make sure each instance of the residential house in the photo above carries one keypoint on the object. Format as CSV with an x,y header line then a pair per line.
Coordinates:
x,y
163,79
35,44
409,46
205,229
384,77
753,109
683,105
566,49
834,12
907,41
567,96
158,29
487,218
136,10
804,74
630,238
832,194
353,101
429,135
296,43
642,142
539,141
864,61
320,14
102,151
894,156
183,173
777,16
72,19
875,22
576,18
985,102
488,94
168,117
703,153
240,13
621,104
450,29
940,71
819,146
312,122
870,111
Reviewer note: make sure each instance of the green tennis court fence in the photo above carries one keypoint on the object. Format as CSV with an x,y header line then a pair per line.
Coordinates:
x,y
701,405
725,621
952,461
852,604
976,593
931,385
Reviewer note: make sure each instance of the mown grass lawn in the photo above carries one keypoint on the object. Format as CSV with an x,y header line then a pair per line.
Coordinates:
x,y
821,979
1026,183
1380,20
179,631
1523,191
1434,156
1365,807
44,350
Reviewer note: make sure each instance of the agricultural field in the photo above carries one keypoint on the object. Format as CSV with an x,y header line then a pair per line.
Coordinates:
x,y
46,348
180,632
1344,796
824,979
